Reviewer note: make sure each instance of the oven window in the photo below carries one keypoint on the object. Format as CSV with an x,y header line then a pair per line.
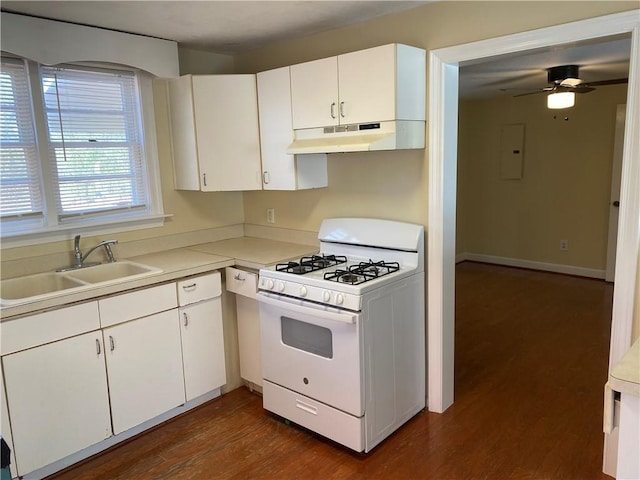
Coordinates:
x,y
307,337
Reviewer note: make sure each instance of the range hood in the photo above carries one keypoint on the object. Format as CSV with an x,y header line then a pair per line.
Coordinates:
x,y
363,137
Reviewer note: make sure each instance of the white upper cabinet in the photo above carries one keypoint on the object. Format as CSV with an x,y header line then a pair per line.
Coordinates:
x,y
314,93
214,129
280,170
373,85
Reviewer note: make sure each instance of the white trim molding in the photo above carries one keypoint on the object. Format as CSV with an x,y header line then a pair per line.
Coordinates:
x,y
532,265
51,42
443,110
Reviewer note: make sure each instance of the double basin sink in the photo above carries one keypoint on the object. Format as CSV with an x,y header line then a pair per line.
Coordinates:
x,y
46,285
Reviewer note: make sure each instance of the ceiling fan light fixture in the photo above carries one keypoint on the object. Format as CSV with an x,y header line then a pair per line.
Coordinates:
x,y
561,100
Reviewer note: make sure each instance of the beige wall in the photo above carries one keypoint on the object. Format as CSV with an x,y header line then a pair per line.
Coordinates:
x,y
393,185
199,62
390,185
566,183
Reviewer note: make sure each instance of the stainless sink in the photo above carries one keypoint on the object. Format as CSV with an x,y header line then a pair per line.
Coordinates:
x,y
42,286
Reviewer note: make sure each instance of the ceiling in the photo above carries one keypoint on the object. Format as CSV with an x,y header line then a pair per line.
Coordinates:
x,y
219,26
233,27
604,59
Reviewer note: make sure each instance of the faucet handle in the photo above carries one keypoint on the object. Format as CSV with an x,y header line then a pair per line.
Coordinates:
x,y
107,246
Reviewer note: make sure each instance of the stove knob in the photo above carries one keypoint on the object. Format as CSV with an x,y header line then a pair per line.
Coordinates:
x,y
269,284
339,299
326,296
281,287
303,291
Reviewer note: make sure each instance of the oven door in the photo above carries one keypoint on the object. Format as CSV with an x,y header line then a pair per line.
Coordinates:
x,y
312,350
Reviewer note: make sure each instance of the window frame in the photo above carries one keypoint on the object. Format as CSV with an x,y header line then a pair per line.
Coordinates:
x,y
55,230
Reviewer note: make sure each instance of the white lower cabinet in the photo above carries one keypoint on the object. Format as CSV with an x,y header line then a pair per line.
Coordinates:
x,y
81,374
144,367
202,335
245,285
57,398
5,426
202,347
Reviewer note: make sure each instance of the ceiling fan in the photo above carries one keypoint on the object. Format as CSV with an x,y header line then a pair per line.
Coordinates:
x,y
565,78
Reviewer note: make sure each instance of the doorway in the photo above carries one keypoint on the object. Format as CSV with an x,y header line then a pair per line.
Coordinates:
x,y
443,110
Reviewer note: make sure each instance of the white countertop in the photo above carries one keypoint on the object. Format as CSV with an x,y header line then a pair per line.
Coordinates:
x,y
247,252
625,376
256,253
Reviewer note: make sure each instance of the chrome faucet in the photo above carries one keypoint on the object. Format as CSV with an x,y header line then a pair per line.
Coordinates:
x,y
80,258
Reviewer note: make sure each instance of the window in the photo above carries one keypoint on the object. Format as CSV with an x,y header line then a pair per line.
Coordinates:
x,y
20,187
90,166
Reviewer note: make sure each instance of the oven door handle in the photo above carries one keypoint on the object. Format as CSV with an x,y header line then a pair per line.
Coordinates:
x,y
349,318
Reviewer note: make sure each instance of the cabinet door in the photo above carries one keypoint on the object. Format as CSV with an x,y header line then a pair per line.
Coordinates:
x,y
283,171
314,93
57,398
248,315
276,129
186,173
226,127
202,347
144,367
5,427
367,85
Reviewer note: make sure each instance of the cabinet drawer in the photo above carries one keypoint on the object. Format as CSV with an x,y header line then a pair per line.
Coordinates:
x,y
140,303
41,328
314,415
195,289
242,282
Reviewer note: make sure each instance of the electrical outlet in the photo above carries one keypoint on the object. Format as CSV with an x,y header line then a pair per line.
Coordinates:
x,y
564,245
271,215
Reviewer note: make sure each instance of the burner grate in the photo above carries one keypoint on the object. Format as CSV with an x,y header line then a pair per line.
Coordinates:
x,y
311,264
362,272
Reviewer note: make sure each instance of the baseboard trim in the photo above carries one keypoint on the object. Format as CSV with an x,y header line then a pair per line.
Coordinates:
x,y
546,267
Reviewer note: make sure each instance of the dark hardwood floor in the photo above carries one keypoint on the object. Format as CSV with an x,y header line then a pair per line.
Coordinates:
x,y
531,362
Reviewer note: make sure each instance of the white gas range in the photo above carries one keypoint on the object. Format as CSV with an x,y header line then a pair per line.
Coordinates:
x,y
343,332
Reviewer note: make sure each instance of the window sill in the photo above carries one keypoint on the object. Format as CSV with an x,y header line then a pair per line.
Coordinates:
x,y
66,232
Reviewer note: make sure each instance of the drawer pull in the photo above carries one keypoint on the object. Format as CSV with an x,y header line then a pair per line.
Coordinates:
x,y
112,344
239,278
306,407
98,349
189,287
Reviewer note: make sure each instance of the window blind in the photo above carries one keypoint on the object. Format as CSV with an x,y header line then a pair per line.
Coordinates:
x,y
95,141
21,195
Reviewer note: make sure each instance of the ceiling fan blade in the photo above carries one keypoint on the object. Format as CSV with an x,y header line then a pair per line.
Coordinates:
x,y
542,90
584,88
615,81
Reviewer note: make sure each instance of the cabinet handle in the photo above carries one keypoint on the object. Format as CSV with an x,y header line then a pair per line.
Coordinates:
x,y
98,349
204,179
342,109
333,110
189,287
186,319
112,344
265,178
239,278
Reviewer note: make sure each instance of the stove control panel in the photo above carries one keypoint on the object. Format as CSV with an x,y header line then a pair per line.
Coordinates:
x,y
309,292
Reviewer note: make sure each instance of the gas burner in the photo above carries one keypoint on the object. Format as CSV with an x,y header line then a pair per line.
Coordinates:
x,y
311,264
362,272
377,269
